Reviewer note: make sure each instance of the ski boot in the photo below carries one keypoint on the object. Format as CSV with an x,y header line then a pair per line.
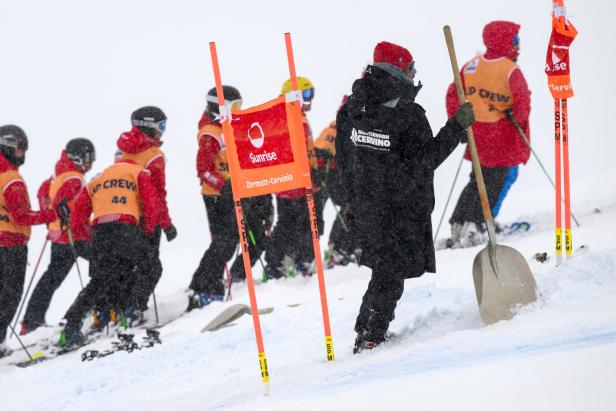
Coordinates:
x,y
71,337
5,351
200,300
135,316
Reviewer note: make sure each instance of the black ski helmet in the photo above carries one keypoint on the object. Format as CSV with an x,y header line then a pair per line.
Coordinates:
x,y
150,120
80,151
13,138
230,93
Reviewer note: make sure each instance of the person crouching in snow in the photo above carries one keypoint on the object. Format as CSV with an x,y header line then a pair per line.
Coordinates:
x,y
496,87
387,156
62,188
16,217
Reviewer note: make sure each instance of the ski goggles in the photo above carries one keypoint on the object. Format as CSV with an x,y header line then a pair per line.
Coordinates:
x,y
308,94
9,140
516,41
234,104
156,125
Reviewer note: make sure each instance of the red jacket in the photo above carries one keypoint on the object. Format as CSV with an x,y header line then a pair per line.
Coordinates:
x,y
135,141
68,191
82,209
499,144
207,155
18,205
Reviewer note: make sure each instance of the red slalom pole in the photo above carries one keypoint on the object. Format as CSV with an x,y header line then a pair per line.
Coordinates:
x,y
329,343
229,138
565,138
559,230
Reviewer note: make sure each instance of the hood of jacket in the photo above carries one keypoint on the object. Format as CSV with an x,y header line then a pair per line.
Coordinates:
x,y
65,164
135,140
382,84
498,39
5,165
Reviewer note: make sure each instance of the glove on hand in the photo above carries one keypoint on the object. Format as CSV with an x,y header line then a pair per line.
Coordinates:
x,y
64,213
170,232
348,214
465,116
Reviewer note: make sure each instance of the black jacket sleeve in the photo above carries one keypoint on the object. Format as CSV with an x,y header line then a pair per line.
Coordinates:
x,y
427,150
343,158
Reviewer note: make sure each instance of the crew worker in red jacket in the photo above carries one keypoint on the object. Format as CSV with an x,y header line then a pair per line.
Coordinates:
x,y
62,188
213,173
16,217
123,205
496,87
142,146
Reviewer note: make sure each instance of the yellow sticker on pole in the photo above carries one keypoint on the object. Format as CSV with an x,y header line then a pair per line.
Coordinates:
x,y
568,241
263,367
329,347
559,241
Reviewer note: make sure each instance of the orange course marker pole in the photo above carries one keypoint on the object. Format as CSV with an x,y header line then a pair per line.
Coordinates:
x,y
565,138
559,230
229,139
329,343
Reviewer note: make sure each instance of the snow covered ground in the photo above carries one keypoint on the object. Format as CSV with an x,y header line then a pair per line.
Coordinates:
x,y
78,68
558,353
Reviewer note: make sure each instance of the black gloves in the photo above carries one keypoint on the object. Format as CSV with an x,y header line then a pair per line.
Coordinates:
x,y
348,214
170,232
64,213
509,114
465,116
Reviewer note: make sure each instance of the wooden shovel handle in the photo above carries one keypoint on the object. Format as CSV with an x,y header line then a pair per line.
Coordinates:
x,y
483,195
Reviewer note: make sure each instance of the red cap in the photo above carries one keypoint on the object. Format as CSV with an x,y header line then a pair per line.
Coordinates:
x,y
386,52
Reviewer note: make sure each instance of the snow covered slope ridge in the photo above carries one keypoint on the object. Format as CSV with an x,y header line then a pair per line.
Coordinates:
x,y
438,326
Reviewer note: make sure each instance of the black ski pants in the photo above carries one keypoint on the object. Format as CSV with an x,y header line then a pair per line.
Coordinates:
x,y
208,278
62,260
147,280
291,235
468,207
13,262
120,254
379,303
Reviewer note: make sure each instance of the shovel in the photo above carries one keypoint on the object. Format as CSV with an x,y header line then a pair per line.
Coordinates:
x,y
501,275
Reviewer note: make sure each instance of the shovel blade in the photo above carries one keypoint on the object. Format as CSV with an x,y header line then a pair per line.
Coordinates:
x,y
499,293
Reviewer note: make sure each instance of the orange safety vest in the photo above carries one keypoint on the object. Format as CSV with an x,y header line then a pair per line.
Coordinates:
x,y
486,85
221,164
7,224
116,191
142,158
56,183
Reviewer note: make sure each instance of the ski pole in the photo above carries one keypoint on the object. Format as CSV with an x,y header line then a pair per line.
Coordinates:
x,y
75,256
23,302
20,342
449,196
338,214
155,306
523,135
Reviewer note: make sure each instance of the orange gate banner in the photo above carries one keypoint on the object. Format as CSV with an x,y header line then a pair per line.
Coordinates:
x,y
268,147
557,65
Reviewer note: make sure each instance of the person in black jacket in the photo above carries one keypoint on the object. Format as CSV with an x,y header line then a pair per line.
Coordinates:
x,y
387,155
